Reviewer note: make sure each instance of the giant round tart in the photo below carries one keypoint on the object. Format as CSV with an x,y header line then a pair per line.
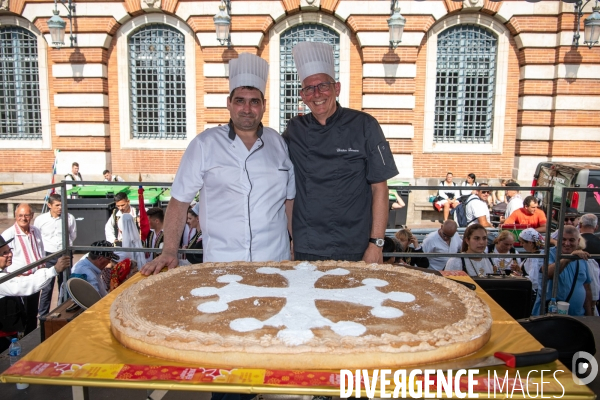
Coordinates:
x,y
293,315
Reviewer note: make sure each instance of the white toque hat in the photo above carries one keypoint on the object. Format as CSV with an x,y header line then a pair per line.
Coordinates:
x,y
313,58
248,70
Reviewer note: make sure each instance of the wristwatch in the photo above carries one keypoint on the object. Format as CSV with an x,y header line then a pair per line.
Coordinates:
x,y
379,242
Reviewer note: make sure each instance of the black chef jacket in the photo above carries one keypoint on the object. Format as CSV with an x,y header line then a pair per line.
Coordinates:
x,y
335,164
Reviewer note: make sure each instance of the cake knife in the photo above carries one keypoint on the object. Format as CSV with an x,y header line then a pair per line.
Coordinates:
x,y
512,360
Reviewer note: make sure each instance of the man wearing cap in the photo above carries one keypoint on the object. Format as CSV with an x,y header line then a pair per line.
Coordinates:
x,y
342,162
90,268
571,219
245,178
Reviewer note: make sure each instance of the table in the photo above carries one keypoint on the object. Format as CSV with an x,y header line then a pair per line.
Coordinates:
x,y
84,353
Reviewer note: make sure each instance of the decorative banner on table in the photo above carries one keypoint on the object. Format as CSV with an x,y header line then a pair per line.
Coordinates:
x,y
487,381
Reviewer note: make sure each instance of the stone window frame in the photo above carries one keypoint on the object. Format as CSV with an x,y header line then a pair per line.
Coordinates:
x,y
42,45
499,115
122,51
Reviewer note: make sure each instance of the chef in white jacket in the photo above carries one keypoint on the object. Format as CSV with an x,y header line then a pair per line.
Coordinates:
x,y
26,284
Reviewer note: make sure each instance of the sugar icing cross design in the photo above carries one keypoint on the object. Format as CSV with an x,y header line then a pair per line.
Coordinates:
x,y
300,313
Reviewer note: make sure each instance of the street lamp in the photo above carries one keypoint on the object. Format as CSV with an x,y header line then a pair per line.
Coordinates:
x,y
396,24
223,23
56,25
591,31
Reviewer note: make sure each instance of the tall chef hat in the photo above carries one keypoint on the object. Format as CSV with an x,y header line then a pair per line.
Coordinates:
x,y
248,70
313,58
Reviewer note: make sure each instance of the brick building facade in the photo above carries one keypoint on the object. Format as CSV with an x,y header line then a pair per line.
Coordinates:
x,y
546,97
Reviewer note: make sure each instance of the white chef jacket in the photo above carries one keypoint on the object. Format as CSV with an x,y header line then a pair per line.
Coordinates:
x,y
109,230
242,196
25,285
33,250
51,229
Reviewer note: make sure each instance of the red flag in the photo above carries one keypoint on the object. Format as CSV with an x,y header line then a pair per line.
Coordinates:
x,y
144,222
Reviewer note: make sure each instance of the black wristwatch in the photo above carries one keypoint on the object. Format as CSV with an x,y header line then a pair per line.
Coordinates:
x,y
377,241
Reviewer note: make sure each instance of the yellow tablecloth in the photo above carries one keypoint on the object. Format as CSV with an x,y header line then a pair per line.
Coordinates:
x,y
85,353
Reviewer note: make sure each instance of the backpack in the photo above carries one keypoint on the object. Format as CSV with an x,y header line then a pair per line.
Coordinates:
x,y
460,213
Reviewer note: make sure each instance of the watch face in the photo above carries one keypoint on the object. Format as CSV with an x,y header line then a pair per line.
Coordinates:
x,y
379,242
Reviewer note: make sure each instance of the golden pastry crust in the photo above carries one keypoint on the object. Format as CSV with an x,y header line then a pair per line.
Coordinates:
x,y
445,321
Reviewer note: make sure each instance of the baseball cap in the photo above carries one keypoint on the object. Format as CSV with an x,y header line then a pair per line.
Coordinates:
x,y
572,212
104,253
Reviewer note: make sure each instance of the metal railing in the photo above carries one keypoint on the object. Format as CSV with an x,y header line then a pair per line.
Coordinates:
x,y
68,249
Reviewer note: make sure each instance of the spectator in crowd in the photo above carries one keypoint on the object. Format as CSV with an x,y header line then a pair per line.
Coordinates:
x,y
357,159
391,245
449,196
514,199
530,214
50,225
469,182
444,240
476,210
408,243
90,268
108,177
588,224
572,218
111,229
13,316
574,280
188,230
155,238
252,199
195,241
28,247
474,242
74,175
498,196
504,244
532,242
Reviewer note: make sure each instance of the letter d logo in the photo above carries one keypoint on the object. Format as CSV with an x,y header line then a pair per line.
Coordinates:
x,y
580,369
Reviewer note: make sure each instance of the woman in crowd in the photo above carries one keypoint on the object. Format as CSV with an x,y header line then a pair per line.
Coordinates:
x,y
533,243
196,240
474,242
504,244
498,196
408,243
469,182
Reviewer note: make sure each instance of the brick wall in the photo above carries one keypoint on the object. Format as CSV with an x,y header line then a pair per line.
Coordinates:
x,y
552,87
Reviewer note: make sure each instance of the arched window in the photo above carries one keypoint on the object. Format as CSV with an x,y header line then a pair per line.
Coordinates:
x,y
20,115
157,77
465,85
290,103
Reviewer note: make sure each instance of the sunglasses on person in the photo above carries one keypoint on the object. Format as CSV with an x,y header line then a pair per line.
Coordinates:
x,y
572,219
485,192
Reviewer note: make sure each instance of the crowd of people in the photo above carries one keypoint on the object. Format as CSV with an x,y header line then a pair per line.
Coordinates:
x,y
317,192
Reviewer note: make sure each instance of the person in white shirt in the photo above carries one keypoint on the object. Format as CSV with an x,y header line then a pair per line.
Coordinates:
x,y
474,242
23,285
50,225
27,248
111,229
108,177
476,209
74,175
449,196
469,182
444,240
245,178
515,201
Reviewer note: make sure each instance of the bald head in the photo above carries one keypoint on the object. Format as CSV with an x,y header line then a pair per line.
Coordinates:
x,y
448,229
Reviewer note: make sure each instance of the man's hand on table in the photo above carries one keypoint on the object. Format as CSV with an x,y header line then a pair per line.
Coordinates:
x,y
373,255
168,260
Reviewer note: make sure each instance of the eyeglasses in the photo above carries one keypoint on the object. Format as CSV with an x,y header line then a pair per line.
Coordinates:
x,y
323,87
24,216
485,192
572,219
443,235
